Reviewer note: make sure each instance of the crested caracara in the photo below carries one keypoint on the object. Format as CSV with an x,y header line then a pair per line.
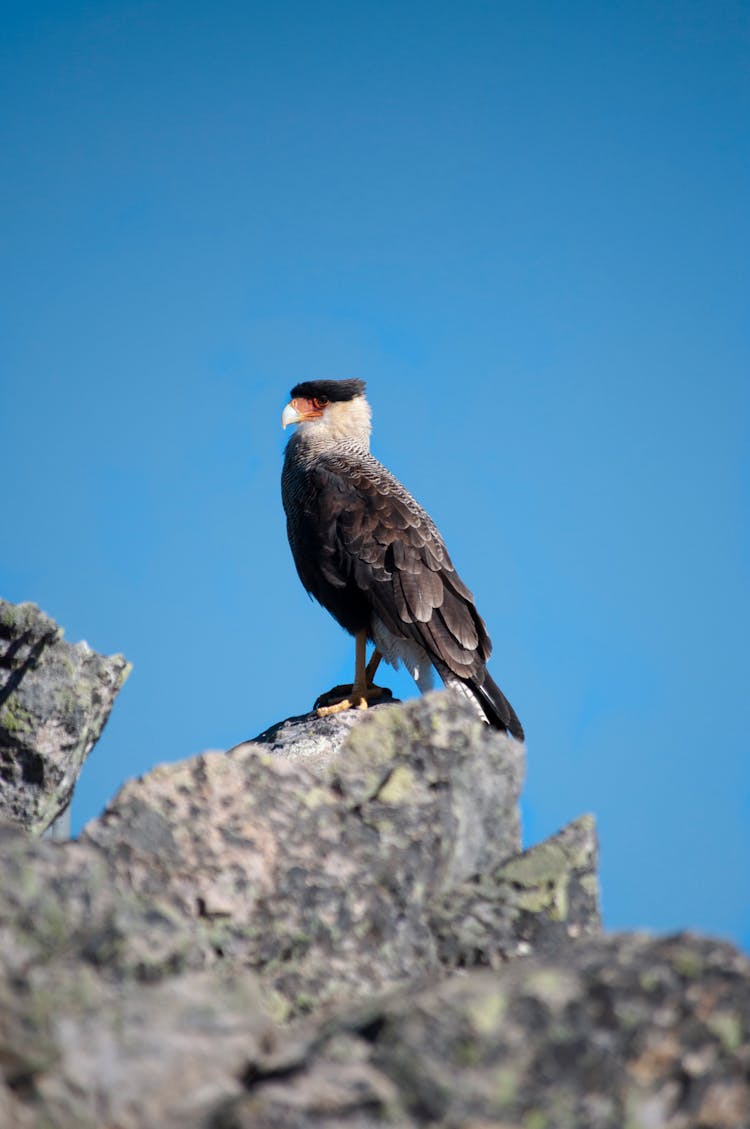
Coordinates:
x,y
372,556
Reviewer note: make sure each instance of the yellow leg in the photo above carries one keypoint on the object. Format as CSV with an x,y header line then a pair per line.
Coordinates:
x,y
362,691
373,665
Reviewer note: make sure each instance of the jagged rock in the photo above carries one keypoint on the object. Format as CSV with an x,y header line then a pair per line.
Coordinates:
x,y
323,879
105,1015
97,1030
63,902
308,739
54,701
363,871
533,902
485,767
612,1032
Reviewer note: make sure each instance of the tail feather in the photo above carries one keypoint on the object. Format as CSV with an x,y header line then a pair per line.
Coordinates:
x,y
497,708
489,698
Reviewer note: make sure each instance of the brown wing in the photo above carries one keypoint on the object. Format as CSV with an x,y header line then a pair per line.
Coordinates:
x,y
376,538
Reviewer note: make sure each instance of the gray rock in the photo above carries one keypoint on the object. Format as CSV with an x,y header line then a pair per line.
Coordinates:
x,y
366,752
609,1032
323,880
362,872
54,701
103,1010
310,740
533,902
435,752
64,901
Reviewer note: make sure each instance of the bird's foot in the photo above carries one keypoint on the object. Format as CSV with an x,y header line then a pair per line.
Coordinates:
x,y
342,698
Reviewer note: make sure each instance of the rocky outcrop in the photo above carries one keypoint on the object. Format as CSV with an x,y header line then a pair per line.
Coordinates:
x,y
108,1016
624,1031
374,861
105,1016
334,926
54,701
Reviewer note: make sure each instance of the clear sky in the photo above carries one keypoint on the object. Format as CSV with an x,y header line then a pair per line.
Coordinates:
x,y
526,226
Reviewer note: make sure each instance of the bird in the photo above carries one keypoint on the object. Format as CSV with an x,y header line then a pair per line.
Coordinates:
x,y
368,552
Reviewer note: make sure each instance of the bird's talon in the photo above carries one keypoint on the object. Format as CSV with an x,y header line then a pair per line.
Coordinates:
x,y
353,700
333,697
337,707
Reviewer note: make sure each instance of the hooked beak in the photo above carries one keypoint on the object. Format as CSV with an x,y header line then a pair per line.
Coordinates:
x,y
290,414
300,411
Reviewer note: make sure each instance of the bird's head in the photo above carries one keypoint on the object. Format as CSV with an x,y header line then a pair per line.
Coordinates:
x,y
336,409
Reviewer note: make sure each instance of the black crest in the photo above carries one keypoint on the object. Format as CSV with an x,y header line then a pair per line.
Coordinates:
x,y
333,390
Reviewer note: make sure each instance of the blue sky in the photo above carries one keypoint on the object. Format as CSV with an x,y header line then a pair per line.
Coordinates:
x,y
526,226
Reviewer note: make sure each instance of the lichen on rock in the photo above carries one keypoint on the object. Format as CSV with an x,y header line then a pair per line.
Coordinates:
x,y
55,699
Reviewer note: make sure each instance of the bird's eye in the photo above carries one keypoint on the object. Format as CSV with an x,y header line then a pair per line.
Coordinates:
x,y
320,401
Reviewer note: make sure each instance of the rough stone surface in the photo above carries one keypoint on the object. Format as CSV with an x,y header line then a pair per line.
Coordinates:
x,y
625,1032
334,926
534,901
323,879
63,901
102,1021
55,698
310,741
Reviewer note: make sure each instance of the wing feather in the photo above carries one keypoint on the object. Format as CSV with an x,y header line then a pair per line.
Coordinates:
x,y
461,627
373,536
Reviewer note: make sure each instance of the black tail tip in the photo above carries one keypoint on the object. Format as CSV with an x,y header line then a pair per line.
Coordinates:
x,y
497,709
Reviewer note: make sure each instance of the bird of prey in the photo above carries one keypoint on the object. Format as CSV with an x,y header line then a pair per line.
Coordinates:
x,y
374,559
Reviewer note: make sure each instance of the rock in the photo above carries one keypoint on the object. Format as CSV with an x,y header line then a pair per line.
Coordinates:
x,y
54,701
310,740
324,878
332,926
101,1014
534,901
63,901
609,1032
